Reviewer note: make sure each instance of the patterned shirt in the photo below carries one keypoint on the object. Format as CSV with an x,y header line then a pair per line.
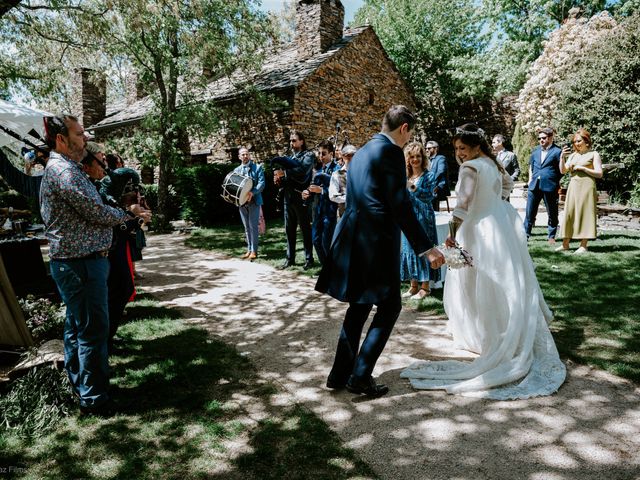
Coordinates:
x,y
77,222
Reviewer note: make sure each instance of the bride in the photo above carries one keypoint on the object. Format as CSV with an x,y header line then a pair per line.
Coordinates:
x,y
495,308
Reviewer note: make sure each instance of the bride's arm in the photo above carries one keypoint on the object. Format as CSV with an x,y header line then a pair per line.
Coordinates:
x,y
465,195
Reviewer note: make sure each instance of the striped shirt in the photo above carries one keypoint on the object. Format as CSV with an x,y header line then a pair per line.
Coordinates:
x,y
77,222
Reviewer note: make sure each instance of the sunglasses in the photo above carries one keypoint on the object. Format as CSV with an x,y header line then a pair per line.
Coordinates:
x,y
542,138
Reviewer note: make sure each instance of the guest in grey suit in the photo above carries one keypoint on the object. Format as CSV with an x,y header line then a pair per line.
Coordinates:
x,y
440,173
507,158
363,265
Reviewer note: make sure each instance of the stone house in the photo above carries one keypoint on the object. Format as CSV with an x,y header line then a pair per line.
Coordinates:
x,y
327,75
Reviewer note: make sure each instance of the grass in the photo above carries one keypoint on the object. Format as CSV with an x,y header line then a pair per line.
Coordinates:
x,y
187,398
595,296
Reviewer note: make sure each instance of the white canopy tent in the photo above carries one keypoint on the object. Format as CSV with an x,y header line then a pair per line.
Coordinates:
x,y
23,121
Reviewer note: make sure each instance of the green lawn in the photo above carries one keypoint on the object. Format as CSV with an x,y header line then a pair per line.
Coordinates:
x,y
595,297
187,400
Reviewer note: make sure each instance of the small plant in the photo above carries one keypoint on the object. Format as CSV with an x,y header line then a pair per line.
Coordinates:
x,y
36,402
44,318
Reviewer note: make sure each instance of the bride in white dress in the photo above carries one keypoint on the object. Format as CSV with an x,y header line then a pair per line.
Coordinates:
x,y
495,308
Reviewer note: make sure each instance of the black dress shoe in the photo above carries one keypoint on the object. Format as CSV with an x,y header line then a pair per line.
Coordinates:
x,y
367,387
286,264
308,264
104,410
334,384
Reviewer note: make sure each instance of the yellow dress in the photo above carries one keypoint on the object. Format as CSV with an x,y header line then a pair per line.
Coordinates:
x,y
580,211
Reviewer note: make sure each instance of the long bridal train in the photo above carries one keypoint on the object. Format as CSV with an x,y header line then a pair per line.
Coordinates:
x,y
495,308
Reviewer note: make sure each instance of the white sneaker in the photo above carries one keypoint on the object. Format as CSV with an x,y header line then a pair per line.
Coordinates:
x,y
408,294
580,250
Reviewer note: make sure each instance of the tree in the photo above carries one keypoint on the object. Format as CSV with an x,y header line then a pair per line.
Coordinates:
x,y
174,48
432,42
520,30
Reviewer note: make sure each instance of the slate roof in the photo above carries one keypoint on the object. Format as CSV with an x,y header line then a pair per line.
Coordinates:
x,y
280,71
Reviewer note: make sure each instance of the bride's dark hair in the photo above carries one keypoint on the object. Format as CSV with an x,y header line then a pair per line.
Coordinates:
x,y
472,135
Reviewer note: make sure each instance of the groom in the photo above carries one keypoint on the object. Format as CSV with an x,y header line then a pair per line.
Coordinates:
x,y
363,265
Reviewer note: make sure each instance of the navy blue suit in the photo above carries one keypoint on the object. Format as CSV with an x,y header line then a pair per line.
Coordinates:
x,y
543,185
363,265
441,179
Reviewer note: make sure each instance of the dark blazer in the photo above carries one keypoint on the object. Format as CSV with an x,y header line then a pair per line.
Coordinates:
x,y
545,177
441,174
364,260
298,176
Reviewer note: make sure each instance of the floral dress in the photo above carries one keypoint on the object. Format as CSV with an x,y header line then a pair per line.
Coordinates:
x,y
413,267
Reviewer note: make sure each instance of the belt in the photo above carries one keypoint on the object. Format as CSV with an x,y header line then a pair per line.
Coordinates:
x,y
92,255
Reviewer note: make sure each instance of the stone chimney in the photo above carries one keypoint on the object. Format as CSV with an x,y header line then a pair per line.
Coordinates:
x,y
319,25
90,97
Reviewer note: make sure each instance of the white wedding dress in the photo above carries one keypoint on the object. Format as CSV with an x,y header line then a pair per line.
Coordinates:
x,y
495,308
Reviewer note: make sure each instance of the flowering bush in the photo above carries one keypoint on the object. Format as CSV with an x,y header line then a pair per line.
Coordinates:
x,y
44,318
568,46
603,95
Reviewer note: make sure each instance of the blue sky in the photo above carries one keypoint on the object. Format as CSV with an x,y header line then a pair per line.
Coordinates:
x,y
350,7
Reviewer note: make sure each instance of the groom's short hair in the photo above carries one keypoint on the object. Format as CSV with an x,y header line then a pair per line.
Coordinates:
x,y
396,116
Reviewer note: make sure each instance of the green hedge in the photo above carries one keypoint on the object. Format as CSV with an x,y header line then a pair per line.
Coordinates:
x,y
199,189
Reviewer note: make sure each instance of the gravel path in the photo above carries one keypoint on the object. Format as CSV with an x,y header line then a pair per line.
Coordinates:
x,y
589,430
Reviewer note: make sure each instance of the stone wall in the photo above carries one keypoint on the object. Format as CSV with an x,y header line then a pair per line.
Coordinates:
x,y
266,134
356,87
319,25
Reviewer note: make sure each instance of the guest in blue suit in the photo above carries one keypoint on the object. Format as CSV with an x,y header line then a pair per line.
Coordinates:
x,y
363,265
325,212
440,173
544,182
250,211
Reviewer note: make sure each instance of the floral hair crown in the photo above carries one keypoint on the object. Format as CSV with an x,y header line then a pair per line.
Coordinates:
x,y
462,131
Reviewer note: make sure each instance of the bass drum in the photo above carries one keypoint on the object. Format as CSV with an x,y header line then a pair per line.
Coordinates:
x,y
236,188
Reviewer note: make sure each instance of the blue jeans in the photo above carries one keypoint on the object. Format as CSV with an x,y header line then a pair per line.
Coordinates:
x,y
83,288
250,215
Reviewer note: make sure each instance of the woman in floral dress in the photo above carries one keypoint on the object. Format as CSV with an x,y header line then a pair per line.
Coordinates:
x,y
420,183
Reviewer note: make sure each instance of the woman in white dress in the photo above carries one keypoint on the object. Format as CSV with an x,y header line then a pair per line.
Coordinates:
x,y
495,308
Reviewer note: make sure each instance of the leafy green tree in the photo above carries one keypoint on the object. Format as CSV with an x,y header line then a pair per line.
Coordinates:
x,y
433,43
520,29
174,48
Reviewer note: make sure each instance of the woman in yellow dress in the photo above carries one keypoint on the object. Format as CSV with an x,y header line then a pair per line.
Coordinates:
x,y
580,206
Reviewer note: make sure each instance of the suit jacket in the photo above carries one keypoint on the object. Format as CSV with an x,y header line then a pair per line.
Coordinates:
x,y
364,259
545,177
440,172
256,172
298,177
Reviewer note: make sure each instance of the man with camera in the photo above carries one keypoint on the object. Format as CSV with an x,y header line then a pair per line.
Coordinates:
x,y
294,180
79,230
544,182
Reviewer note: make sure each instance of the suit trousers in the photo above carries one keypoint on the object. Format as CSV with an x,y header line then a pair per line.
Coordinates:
x,y
550,202
296,212
322,233
250,215
83,288
349,361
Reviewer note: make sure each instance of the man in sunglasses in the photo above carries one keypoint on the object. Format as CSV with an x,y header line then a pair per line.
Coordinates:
x,y
544,182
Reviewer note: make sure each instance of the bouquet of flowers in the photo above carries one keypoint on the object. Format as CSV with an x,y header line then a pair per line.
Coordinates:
x,y
456,257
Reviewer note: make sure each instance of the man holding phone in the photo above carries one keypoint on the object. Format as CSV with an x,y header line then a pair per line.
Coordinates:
x,y
544,182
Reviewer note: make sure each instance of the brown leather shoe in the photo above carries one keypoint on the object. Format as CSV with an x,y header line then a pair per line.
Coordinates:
x,y
246,255
253,256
